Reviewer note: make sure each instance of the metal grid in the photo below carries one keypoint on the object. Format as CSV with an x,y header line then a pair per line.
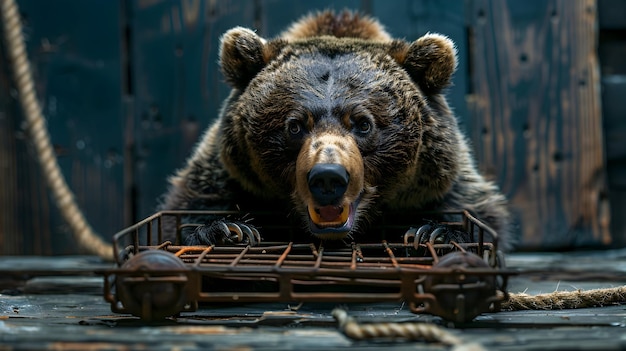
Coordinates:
x,y
157,278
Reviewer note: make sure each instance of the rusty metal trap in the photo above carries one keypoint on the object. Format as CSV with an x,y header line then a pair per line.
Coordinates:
x,y
155,279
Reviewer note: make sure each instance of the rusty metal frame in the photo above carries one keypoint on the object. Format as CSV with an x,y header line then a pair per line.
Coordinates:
x,y
306,272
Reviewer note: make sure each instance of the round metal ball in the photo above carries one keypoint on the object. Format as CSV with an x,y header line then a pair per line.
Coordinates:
x,y
150,286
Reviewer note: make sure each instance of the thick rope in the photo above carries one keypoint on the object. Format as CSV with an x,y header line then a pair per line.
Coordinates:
x,y
516,302
566,299
406,331
36,125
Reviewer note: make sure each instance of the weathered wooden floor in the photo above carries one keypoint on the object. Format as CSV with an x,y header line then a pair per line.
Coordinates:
x,y
69,313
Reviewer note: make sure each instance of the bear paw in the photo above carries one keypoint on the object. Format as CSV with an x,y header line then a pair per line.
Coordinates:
x,y
436,234
224,232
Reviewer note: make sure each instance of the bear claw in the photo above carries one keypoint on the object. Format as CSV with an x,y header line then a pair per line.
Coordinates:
x,y
434,234
224,232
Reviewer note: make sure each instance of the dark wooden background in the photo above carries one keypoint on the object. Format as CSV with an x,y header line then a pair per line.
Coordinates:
x,y
128,86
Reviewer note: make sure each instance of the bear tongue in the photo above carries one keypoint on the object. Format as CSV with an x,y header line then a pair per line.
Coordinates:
x,y
330,213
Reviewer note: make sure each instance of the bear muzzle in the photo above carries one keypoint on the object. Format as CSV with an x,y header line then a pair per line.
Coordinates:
x,y
329,175
331,216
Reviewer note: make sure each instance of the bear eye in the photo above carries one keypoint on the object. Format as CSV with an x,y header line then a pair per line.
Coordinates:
x,y
294,127
363,126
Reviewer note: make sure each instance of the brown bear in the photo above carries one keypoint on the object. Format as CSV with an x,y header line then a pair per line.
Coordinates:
x,y
333,126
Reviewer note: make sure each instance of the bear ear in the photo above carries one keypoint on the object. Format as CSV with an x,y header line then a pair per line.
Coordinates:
x,y
243,54
431,61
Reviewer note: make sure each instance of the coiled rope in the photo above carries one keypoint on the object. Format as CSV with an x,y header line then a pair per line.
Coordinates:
x,y
405,331
560,300
432,333
85,236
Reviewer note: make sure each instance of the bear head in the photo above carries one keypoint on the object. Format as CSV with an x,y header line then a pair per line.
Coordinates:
x,y
340,119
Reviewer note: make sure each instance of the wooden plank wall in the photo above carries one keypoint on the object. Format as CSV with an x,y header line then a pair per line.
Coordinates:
x,y
128,86
612,51
75,53
536,118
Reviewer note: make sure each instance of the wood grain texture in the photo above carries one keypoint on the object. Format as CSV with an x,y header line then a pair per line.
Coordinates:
x,y
24,206
177,85
74,50
611,51
536,117
8,169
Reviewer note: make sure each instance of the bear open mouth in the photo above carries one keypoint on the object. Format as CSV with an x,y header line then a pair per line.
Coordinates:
x,y
329,216
332,221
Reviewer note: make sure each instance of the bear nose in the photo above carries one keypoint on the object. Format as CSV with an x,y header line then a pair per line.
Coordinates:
x,y
328,182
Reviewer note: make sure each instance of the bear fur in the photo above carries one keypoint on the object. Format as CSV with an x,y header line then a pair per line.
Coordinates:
x,y
333,126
